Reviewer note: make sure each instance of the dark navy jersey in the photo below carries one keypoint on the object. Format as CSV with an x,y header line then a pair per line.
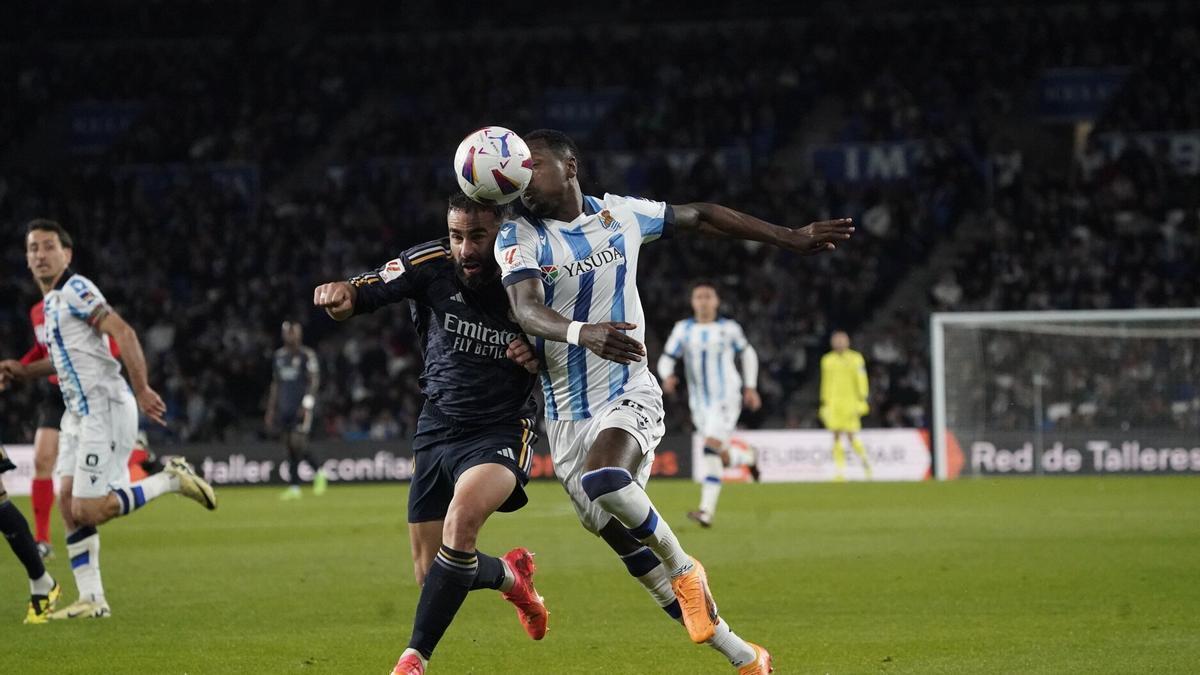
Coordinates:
x,y
463,333
294,374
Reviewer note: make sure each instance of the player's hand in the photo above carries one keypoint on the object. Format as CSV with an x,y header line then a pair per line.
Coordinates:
x,y
863,408
336,298
4,381
607,341
152,405
751,399
12,370
817,237
670,385
520,351
823,415
269,420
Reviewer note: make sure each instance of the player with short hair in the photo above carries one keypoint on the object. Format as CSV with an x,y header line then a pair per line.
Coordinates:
x,y
569,262
43,589
707,344
474,438
49,417
296,377
844,392
99,427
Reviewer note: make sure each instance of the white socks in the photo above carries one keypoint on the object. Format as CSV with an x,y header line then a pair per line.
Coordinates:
x,y
710,490
614,490
136,496
83,547
644,566
737,650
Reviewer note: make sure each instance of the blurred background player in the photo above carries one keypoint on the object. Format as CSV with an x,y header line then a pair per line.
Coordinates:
x,y
707,344
473,445
99,427
296,376
43,589
844,400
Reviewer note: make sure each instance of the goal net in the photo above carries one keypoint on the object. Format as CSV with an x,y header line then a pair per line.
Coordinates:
x,y
1062,393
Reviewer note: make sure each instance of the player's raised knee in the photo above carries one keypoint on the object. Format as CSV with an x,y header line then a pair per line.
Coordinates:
x,y
94,512
462,527
605,481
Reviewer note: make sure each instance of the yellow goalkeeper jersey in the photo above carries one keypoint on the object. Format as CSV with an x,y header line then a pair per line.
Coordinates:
x,y
843,379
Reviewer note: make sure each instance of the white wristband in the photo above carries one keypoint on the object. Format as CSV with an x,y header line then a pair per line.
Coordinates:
x,y
573,332
307,402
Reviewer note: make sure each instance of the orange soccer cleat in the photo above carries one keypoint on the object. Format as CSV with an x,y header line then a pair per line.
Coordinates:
x,y
696,601
531,607
761,665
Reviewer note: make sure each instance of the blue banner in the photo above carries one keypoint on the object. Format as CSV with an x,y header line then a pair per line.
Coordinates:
x,y
1180,148
1077,94
95,126
578,111
868,162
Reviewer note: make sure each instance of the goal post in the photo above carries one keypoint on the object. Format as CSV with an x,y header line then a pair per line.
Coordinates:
x,y
1065,392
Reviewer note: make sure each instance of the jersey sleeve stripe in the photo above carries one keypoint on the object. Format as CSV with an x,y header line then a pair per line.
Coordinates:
x,y
435,247
519,276
430,256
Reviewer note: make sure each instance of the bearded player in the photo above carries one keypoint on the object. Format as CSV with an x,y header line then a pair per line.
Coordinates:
x,y
569,263
474,437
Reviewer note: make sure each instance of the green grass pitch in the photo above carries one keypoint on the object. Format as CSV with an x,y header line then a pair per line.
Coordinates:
x,y
976,576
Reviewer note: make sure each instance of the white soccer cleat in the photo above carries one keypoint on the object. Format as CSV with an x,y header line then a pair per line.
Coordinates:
x,y
191,485
83,609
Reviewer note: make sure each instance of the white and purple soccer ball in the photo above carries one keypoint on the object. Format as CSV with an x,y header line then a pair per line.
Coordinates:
x,y
493,165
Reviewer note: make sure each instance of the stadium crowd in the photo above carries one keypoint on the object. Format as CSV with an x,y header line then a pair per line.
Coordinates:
x,y
196,224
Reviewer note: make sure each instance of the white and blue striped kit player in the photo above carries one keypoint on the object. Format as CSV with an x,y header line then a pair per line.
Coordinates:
x,y
81,354
708,351
588,268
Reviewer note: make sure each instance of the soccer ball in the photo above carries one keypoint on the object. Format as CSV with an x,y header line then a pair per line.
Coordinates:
x,y
493,165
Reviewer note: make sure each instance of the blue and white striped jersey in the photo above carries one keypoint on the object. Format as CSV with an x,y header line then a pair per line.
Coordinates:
x,y
80,353
707,350
588,268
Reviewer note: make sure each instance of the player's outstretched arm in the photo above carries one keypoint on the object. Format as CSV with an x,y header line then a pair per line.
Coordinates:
x,y
714,219
135,364
336,298
18,370
606,340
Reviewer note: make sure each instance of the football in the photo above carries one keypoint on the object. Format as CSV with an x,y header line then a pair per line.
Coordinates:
x,y
493,165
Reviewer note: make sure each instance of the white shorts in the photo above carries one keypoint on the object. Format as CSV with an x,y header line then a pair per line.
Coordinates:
x,y
94,448
639,412
717,420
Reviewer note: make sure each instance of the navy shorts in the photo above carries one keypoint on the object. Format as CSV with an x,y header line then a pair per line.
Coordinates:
x,y
293,421
51,408
444,451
